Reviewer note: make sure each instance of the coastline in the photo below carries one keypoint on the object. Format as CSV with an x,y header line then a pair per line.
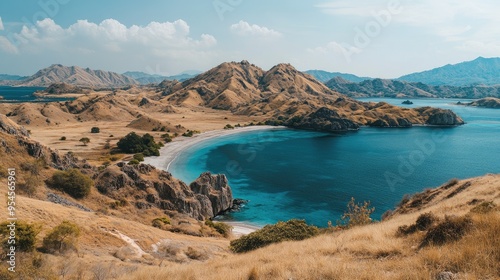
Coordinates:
x,y
172,150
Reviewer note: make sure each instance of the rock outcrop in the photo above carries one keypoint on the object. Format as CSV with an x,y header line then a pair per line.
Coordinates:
x,y
206,197
10,127
442,117
486,103
323,119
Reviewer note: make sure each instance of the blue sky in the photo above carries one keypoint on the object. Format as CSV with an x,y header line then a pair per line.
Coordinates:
x,y
377,38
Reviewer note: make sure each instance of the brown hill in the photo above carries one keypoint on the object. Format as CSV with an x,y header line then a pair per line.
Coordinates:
x,y
283,93
486,102
75,75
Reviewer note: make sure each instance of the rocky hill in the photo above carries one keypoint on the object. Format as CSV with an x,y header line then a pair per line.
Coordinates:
x,y
482,71
75,75
284,95
402,89
487,103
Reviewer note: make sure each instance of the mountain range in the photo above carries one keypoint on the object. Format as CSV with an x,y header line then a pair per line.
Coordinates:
x,y
481,71
75,75
402,89
144,78
324,76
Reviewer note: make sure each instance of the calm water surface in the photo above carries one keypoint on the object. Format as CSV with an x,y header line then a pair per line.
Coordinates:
x,y
309,175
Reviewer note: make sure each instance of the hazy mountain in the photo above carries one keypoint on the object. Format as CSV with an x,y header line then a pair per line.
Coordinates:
x,y
144,78
395,88
324,76
7,77
75,75
481,71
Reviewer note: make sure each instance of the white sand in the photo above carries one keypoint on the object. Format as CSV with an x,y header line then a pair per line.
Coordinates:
x,y
172,150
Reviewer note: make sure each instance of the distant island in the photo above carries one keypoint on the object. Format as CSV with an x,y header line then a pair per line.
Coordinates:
x,y
489,102
407,102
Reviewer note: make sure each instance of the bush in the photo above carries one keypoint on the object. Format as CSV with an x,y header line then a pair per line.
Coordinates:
x,y
424,222
451,229
139,157
166,137
133,143
357,214
133,162
161,222
61,238
25,237
228,126
281,231
190,133
484,207
85,141
95,130
221,228
72,182
63,138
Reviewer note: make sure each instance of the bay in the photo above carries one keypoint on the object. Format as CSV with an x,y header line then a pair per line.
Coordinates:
x,y
287,173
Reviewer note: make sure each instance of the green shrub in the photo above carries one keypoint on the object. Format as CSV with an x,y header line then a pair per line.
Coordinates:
x,y
25,237
62,238
221,228
281,231
190,133
72,182
451,229
357,214
63,138
133,143
166,137
95,130
228,126
139,157
133,162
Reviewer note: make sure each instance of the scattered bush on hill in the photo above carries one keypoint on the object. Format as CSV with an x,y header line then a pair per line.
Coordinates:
x,y
63,138
133,143
190,133
221,228
139,157
281,231
357,214
484,207
161,222
24,238
424,222
451,229
62,238
85,140
228,126
95,130
72,182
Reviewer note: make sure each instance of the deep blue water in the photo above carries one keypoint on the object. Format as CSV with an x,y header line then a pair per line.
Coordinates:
x,y
24,94
300,174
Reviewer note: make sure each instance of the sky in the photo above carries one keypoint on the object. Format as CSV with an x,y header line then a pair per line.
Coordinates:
x,y
371,38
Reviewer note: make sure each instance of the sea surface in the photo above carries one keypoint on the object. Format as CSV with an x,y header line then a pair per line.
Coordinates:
x,y
287,173
25,94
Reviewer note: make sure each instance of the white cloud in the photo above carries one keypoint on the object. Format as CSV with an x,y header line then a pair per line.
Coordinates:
x,y
1,24
243,28
111,43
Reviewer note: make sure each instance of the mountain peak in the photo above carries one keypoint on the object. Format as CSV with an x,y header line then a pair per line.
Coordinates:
x,y
74,75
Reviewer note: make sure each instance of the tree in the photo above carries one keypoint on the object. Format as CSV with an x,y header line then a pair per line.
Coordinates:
x,y
133,143
25,237
85,141
62,237
72,182
95,130
357,214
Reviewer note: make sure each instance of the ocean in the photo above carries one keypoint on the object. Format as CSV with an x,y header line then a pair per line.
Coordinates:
x,y
25,94
287,173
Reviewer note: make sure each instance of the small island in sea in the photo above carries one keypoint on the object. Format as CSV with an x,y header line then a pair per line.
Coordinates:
x,y
407,102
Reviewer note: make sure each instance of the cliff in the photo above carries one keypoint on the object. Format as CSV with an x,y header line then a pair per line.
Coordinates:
x,y
206,197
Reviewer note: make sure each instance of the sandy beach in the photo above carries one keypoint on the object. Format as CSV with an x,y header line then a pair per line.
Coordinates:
x,y
172,150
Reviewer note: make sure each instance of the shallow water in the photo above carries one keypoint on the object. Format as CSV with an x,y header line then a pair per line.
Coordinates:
x,y
309,175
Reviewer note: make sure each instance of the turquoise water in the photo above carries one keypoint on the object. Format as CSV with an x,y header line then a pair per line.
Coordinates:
x,y
300,174
24,94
